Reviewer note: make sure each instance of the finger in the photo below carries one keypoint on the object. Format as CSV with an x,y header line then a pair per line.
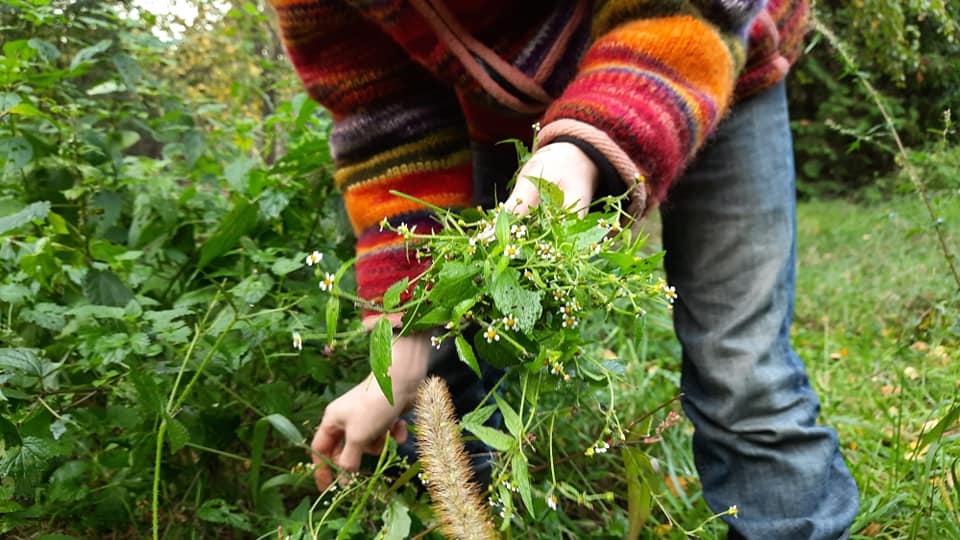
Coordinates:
x,y
578,197
324,443
399,431
349,458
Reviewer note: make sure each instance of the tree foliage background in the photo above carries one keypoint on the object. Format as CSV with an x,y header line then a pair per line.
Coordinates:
x,y
160,185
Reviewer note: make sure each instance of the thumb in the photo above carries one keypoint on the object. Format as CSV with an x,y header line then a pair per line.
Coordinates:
x,y
524,196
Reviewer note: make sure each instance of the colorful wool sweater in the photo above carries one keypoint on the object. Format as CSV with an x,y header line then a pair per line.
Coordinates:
x,y
411,83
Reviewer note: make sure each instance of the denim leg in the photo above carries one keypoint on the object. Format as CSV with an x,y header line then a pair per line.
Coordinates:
x,y
729,230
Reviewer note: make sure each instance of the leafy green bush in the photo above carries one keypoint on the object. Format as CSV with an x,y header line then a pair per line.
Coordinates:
x,y
910,51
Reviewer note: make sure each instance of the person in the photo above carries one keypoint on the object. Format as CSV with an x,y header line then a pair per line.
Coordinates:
x,y
679,102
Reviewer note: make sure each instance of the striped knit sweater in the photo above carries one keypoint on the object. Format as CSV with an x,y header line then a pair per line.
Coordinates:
x,y
410,83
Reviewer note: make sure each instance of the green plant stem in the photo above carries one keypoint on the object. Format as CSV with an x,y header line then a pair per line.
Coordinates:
x,y
155,502
918,183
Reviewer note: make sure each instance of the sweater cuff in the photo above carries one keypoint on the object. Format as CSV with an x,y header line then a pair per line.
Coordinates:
x,y
606,154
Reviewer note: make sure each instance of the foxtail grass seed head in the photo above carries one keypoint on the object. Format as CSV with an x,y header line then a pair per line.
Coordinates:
x,y
456,498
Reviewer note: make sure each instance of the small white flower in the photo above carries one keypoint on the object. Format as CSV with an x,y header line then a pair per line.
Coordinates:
x,y
518,231
297,341
384,224
326,284
511,251
510,322
491,334
314,258
569,321
603,224
552,502
436,341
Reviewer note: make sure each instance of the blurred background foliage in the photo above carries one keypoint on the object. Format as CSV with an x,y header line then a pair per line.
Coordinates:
x,y
910,50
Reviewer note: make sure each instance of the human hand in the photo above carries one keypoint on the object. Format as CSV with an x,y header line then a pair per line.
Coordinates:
x,y
560,163
358,421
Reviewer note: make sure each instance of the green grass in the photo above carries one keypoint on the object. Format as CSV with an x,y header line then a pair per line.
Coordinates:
x,y
878,325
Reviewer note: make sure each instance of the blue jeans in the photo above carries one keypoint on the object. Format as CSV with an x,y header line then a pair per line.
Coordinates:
x,y
729,230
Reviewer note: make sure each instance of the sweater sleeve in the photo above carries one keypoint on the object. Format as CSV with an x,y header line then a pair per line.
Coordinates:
x,y
395,128
653,85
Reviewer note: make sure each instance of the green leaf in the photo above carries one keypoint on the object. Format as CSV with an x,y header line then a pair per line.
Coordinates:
x,y
257,444
26,463
148,393
128,68
106,87
333,313
237,223
220,511
942,426
177,434
493,438
381,345
510,416
9,433
237,174
283,266
392,297
33,212
416,319
521,478
8,100
455,283
48,51
550,194
465,352
15,152
90,53
512,299
396,521
639,493
286,428
479,416
104,288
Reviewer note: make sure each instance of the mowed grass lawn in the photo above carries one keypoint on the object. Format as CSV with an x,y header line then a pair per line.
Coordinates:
x,y
878,324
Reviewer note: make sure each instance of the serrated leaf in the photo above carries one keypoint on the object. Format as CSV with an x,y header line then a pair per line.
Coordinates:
x,y
15,152
381,345
510,417
148,393
104,288
521,478
177,434
34,211
391,298
26,463
286,428
220,511
493,438
237,223
465,352
512,299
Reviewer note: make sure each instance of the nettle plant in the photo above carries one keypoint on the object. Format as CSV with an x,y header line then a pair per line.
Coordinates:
x,y
533,295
